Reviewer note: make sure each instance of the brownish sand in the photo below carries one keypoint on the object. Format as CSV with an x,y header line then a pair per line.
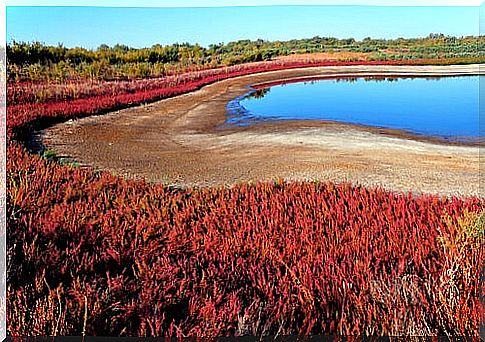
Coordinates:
x,y
177,141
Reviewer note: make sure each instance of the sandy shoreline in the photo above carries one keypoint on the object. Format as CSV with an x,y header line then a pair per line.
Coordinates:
x,y
178,141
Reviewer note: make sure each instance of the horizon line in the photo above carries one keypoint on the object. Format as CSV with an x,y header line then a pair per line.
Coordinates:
x,y
11,40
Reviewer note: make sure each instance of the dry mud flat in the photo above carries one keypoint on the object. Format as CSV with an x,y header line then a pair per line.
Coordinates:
x,y
179,141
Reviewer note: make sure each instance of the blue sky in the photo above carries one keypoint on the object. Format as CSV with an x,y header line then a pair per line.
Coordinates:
x,y
218,3
482,19
138,27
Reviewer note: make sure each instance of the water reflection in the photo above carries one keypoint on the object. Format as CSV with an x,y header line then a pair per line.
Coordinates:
x,y
258,93
440,106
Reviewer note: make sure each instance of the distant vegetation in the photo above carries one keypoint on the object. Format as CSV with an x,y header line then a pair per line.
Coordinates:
x,y
36,61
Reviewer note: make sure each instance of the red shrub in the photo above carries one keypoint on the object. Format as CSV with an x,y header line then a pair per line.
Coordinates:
x,y
91,252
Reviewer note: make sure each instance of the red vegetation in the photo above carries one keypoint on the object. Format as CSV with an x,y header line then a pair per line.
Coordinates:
x,y
91,252
31,104
297,258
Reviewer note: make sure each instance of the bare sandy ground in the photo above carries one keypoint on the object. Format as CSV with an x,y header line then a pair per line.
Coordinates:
x,y
179,141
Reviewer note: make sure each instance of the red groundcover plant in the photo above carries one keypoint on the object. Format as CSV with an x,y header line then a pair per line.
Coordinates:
x,y
92,253
45,103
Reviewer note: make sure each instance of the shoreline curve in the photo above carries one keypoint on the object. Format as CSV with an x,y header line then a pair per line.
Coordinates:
x,y
178,141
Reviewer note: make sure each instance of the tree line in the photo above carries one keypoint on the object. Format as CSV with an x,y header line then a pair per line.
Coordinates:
x,y
37,61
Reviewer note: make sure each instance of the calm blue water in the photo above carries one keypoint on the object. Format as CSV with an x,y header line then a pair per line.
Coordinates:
x,y
447,106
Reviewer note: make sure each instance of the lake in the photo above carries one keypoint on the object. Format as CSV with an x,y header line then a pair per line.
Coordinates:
x,y
447,107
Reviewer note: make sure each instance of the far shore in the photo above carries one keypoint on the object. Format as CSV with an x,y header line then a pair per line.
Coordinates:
x,y
179,141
